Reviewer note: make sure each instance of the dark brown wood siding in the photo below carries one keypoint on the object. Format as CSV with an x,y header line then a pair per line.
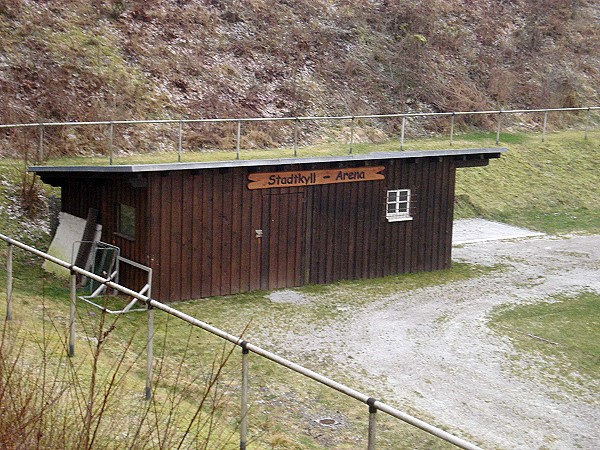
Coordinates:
x,y
350,237
203,233
105,195
210,235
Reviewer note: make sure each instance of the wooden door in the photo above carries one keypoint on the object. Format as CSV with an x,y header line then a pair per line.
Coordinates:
x,y
282,240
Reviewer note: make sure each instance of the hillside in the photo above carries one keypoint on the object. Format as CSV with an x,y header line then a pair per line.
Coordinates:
x,y
118,59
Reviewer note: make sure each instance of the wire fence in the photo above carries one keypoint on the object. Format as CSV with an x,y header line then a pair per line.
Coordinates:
x,y
295,122
373,404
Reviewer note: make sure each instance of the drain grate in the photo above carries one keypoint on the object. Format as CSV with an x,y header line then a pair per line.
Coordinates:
x,y
327,422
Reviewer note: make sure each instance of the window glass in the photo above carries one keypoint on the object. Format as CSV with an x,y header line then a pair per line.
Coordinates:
x,y
398,205
126,220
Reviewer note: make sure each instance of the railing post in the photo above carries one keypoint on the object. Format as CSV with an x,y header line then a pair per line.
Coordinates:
x,y
587,124
180,141
111,132
402,133
73,294
244,409
239,138
372,424
498,128
544,126
40,154
9,282
149,351
351,134
296,137
452,129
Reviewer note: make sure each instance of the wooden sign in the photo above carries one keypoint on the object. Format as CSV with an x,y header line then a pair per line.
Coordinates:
x,y
268,180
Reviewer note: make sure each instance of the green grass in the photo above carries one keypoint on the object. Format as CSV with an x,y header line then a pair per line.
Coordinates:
x,y
323,303
546,186
571,323
284,407
549,186
486,138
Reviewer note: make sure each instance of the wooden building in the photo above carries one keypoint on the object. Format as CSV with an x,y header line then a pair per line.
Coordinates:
x,y
219,228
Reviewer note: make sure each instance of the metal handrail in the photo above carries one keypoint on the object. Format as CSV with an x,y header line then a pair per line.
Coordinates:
x,y
296,120
374,405
276,119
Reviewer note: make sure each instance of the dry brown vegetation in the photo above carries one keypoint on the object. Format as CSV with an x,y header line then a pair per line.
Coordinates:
x,y
129,59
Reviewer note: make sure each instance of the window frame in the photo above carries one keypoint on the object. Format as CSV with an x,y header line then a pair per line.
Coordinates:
x,y
124,231
401,207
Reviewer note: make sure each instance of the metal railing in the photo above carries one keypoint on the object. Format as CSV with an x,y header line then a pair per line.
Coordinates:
x,y
373,404
296,121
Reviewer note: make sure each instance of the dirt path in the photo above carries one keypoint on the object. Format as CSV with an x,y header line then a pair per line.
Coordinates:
x,y
431,349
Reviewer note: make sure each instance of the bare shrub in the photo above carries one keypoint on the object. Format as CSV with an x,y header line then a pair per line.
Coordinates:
x,y
32,195
50,401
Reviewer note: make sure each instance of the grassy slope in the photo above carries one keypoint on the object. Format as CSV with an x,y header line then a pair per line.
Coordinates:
x,y
284,406
547,186
104,60
526,186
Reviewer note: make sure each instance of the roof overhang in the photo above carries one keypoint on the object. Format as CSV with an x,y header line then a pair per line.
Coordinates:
x,y
463,158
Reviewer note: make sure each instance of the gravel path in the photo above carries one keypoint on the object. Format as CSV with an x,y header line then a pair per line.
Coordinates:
x,y
431,349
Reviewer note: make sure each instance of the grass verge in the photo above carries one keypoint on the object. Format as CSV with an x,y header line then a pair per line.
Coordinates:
x,y
319,305
108,370
562,332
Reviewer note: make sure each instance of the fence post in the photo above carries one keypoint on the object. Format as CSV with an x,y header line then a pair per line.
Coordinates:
x,y
587,124
239,138
498,128
351,134
9,282
73,295
402,133
372,424
244,410
41,144
180,139
110,142
149,350
296,137
452,129
545,125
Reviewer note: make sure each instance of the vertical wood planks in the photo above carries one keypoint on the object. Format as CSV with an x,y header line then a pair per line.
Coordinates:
x,y
217,233
153,217
227,236
175,233
164,254
197,228
198,225
206,232
256,244
187,228
237,205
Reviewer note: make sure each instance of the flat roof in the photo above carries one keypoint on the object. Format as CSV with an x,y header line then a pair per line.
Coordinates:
x,y
138,168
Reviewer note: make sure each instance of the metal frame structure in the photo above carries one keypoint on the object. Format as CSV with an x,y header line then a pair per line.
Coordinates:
x,y
373,404
296,120
95,247
113,275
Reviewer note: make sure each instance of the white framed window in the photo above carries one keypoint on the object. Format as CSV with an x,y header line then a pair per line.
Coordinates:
x,y
397,206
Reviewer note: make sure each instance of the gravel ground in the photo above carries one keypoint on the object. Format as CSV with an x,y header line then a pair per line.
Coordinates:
x,y
431,349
